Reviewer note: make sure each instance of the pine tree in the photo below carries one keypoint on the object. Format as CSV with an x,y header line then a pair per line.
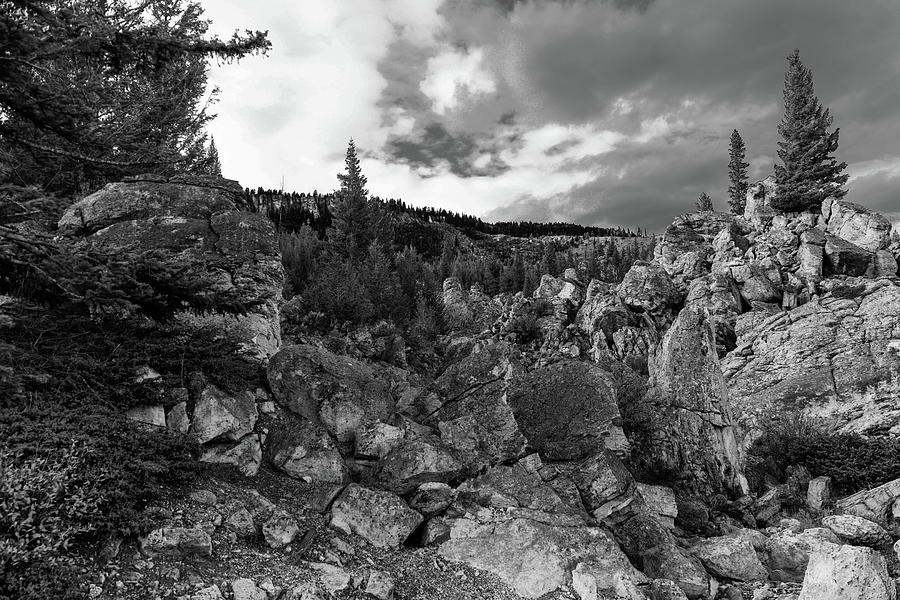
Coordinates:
x,y
704,202
810,173
354,219
212,165
737,174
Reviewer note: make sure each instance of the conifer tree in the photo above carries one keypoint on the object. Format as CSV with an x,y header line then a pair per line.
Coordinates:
x,y
704,202
810,173
737,174
354,222
212,166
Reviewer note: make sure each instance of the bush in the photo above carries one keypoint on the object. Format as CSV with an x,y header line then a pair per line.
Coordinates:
x,y
74,469
526,325
46,503
854,462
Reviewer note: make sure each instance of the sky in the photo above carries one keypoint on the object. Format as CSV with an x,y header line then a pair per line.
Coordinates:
x,y
600,112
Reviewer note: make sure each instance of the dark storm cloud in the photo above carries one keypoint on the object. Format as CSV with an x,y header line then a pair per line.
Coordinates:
x,y
660,181
626,5
436,147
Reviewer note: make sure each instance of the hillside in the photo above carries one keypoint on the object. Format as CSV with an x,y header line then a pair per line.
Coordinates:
x,y
717,424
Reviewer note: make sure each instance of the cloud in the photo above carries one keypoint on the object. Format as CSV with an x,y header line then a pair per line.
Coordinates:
x,y
614,112
454,77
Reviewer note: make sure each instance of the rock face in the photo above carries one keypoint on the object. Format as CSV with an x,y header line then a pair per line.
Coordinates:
x,y
339,392
847,572
834,358
513,524
191,230
857,224
468,403
691,427
381,518
567,411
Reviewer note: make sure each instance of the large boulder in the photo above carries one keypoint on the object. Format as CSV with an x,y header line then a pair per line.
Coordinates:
x,y
690,428
567,410
847,572
191,236
339,392
511,523
647,287
468,403
719,295
834,358
731,557
857,224
856,530
381,518
150,196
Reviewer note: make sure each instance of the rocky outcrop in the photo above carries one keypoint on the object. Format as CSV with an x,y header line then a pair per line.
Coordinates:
x,y
340,393
191,236
835,358
567,411
691,431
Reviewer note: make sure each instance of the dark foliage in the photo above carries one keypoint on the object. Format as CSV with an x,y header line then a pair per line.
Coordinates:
x,y
737,174
704,202
140,69
809,172
854,462
65,384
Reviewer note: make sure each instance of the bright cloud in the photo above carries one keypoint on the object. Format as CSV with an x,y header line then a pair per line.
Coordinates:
x,y
453,77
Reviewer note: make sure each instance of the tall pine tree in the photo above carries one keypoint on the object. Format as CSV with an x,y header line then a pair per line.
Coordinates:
x,y
810,173
737,174
353,218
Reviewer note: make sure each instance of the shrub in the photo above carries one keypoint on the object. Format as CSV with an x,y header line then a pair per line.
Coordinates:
x,y
74,469
46,503
526,324
854,462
